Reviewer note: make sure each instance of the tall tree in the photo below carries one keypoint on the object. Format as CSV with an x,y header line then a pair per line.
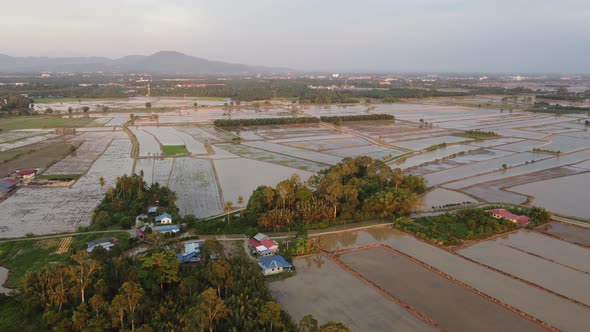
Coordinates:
x,y
213,308
271,315
83,271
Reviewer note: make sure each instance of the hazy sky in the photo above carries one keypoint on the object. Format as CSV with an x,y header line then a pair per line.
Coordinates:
x,y
371,35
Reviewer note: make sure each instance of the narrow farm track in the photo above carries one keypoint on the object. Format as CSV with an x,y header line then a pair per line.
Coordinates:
x,y
131,232
571,221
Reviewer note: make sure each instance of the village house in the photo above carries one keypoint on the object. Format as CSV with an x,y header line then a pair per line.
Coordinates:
x,y
191,253
152,211
27,173
273,264
262,245
8,184
164,218
523,221
165,229
105,242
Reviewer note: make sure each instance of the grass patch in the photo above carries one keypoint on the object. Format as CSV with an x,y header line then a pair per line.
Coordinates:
x,y
555,152
174,149
42,122
58,177
34,255
12,154
436,147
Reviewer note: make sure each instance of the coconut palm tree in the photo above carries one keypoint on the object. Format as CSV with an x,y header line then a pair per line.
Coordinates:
x,y
229,206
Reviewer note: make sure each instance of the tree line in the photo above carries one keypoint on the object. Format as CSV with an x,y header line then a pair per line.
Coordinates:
x,y
264,121
360,117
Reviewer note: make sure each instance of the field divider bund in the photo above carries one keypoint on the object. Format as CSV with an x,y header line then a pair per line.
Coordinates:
x,y
524,281
404,305
448,277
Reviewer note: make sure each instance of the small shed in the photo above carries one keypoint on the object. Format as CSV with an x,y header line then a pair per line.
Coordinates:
x,y
273,264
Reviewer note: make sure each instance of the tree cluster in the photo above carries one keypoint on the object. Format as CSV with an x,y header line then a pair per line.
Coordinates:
x,y
105,291
130,197
355,189
15,104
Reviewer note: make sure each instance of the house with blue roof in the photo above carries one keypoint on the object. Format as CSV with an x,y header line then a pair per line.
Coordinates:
x,y
105,242
191,253
152,211
273,264
164,218
173,229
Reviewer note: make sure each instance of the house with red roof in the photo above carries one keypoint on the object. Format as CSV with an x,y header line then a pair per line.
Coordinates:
x,y
27,173
523,221
262,245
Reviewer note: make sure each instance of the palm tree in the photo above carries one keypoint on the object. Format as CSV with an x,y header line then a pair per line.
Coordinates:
x,y
229,206
101,181
240,200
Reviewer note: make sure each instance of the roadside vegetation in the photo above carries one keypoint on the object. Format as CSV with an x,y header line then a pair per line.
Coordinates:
x,y
436,147
467,225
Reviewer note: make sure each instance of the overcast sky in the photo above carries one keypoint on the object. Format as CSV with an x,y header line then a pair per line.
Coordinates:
x,y
331,35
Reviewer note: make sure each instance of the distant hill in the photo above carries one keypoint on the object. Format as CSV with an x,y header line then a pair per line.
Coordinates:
x,y
164,62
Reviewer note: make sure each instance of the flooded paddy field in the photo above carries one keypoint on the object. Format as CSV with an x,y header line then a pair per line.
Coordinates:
x,y
431,294
241,176
295,152
15,140
441,197
171,136
538,303
560,195
148,145
470,157
424,143
500,191
431,156
318,289
271,157
53,210
550,263
567,232
196,187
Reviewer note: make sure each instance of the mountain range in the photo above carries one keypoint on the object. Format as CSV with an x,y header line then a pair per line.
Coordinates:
x,y
164,62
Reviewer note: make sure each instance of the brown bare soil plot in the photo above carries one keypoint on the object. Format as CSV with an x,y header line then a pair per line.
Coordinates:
x,y
42,157
64,245
452,306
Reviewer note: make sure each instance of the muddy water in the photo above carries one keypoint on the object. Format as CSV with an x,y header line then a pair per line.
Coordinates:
x,y
569,233
552,309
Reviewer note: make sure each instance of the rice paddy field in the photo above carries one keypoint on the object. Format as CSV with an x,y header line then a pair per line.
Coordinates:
x,y
514,294
547,262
